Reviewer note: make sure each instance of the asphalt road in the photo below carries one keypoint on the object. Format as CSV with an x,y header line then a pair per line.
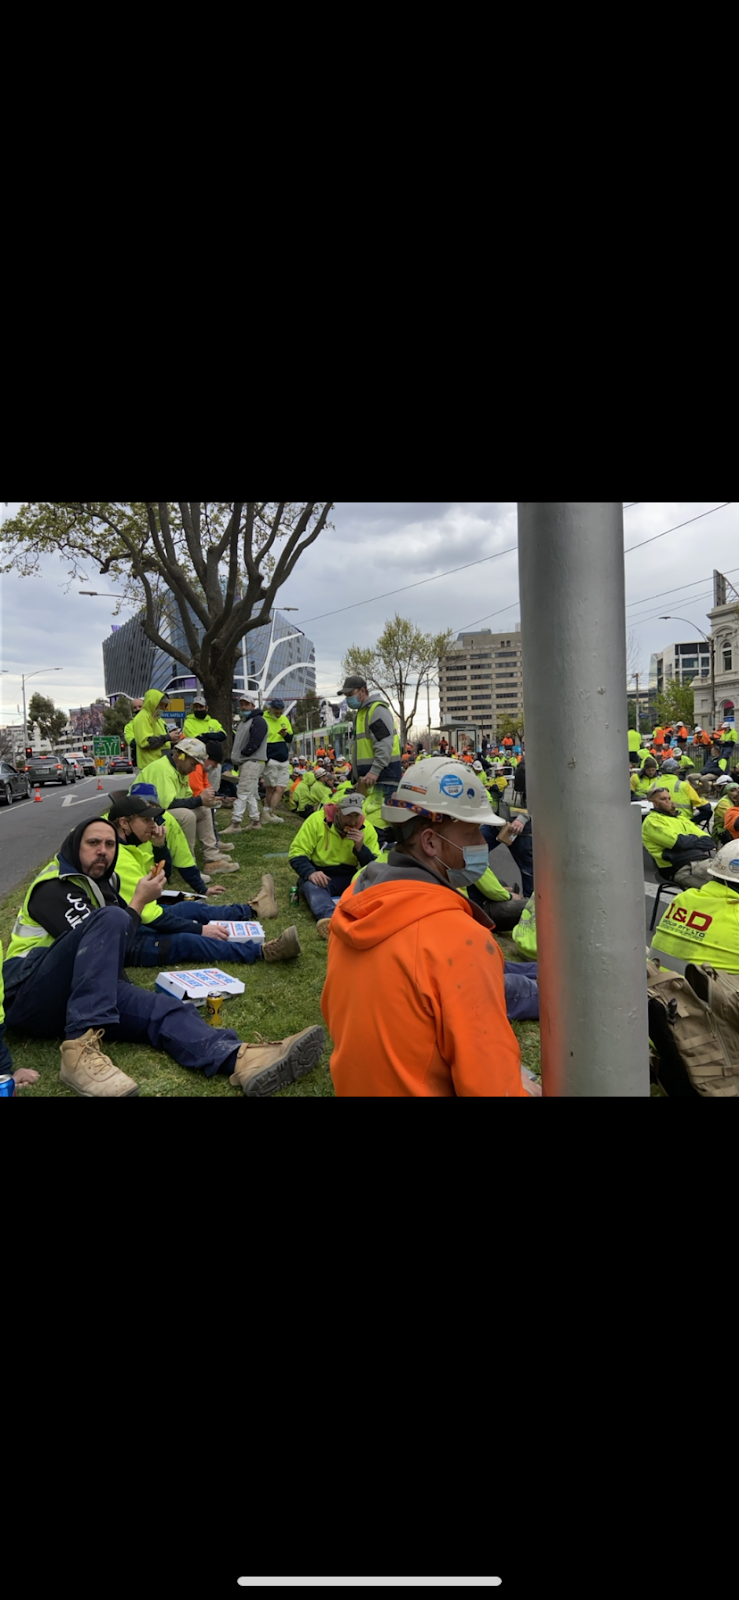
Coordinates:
x,y
31,833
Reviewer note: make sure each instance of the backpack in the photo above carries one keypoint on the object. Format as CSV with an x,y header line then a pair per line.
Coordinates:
x,y
697,1044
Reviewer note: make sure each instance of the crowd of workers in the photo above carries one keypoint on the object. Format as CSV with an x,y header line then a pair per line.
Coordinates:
x,y
391,857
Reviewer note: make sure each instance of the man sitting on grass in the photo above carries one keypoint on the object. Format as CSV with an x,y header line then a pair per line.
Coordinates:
x,y
326,852
64,974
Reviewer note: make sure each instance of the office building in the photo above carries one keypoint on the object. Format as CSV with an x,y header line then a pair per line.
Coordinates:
x,y
679,663
481,679
277,651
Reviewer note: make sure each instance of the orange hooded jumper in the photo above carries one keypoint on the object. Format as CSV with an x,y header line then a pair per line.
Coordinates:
x,y
414,998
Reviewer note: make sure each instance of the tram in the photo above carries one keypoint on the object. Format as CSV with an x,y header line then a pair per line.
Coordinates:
x,y
338,736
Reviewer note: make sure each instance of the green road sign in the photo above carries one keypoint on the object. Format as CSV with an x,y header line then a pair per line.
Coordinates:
x,y
106,745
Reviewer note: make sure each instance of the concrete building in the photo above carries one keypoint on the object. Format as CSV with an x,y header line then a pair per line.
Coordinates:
x,y
481,679
679,663
724,620
133,664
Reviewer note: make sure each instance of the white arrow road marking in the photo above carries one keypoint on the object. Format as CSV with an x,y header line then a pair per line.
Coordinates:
x,y
70,802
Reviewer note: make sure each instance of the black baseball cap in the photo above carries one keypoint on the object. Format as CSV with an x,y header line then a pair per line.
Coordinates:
x,y
133,805
352,683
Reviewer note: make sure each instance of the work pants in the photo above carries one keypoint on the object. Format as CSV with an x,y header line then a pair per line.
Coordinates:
x,y
158,943
77,983
694,875
522,851
321,901
248,791
198,824
504,913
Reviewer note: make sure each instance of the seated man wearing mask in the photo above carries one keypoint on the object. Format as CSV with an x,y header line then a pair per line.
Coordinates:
x,y
64,975
326,852
680,849
185,932
170,777
414,997
170,846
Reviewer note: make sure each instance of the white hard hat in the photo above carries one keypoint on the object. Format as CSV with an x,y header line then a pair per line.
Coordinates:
x,y
726,724
438,787
697,729
477,766
725,863
725,779
194,748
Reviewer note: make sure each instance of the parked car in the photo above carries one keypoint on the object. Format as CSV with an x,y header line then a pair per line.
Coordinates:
x,y
48,769
13,785
86,764
71,765
120,764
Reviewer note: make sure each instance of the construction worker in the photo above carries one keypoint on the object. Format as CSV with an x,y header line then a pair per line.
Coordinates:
x,y
666,828
731,824
277,770
64,974
658,736
376,748
326,852
726,737
716,765
701,744
634,738
729,799
169,776
201,725
149,730
683,793
249,754
702,925
681,735
643,779
128,731
170,846
414,997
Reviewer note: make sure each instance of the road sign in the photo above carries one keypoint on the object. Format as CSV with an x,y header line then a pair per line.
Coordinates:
x,y
106,745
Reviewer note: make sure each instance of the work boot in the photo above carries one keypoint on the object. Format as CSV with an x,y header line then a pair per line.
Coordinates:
x,y
263,903
269,816
222,864
86,1070
222,846
205,877
323,927
251,827
262,1069
284,948
234,828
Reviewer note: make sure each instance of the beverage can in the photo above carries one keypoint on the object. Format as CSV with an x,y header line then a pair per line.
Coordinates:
x,y
213,1006
294,896
7,1086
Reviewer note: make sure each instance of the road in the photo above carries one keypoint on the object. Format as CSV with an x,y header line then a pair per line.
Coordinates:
x,y
31,834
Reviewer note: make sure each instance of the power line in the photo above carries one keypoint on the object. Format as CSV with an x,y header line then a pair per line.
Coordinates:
x,y
389,592
662,592
722,507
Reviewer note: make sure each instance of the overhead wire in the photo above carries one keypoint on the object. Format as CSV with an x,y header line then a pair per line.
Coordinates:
x,y
678,525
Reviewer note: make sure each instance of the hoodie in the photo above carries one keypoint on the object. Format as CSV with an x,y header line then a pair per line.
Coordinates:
x,y
58,905
414,998
149,730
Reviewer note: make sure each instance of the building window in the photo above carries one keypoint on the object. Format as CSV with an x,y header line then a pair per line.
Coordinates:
x,y
727,657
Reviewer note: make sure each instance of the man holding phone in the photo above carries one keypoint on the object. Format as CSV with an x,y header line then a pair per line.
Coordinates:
x,y
327,852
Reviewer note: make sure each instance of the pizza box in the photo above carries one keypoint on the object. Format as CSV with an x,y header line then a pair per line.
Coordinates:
x,y
198,984
240,931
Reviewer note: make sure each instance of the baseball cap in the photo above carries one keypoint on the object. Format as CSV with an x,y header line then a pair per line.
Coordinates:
x,y
133,805
194,748
351,802
725,863
278,705
352,683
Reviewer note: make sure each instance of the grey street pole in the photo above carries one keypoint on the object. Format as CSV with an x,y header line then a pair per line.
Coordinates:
x,y
670,617
587,838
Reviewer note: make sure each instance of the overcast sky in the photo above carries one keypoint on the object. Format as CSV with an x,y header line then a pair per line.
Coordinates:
x,y
376,546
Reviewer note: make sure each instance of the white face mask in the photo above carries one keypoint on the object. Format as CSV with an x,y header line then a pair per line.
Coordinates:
x,y
475,863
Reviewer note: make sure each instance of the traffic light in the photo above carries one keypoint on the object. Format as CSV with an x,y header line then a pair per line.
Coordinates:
x,y
123,747
84,749
29,750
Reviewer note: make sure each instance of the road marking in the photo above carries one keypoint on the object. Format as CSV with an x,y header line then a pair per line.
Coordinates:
x,y
70,802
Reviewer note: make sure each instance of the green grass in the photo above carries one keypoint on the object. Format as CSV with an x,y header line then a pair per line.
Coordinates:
x,y
279,998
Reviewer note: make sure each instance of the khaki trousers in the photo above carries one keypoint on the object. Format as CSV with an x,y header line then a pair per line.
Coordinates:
x,y
247,795
198,825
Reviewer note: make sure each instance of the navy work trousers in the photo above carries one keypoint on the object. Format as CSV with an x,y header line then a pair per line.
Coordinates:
x,y
75,984
154,943
321,901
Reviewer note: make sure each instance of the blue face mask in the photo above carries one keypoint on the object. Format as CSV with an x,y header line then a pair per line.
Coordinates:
x,y
353,703
475,863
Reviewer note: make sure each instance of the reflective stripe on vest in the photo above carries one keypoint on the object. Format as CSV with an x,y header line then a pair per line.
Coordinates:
x,y
365,749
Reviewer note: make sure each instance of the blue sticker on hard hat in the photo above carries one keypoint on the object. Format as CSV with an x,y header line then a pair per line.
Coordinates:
x,y
451,785
471,793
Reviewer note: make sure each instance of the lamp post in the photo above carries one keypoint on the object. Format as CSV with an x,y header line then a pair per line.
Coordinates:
x,y
671,618
24,678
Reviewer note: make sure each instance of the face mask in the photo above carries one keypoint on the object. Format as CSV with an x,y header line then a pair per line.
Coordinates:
x,y
475,863
353,702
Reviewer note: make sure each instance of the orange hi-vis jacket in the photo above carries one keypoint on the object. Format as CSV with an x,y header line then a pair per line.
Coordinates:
x,y
414,998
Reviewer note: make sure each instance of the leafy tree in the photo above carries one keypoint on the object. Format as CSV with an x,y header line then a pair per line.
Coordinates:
x,y
51,722
675,705
632,722
509,725
307,713
214,567
398,665
115,717
6,747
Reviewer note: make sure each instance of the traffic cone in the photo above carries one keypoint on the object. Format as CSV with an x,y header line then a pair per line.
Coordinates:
x,y
37,795
100,782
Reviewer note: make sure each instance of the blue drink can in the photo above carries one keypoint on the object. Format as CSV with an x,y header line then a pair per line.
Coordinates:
x,y
7,1086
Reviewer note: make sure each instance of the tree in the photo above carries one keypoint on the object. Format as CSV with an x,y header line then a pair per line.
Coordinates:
x,y
51,722
675,705
509,725
399,665
7,751
307,713
115,717
213,567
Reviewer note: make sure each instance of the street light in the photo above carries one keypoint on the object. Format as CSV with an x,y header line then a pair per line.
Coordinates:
x,y
671,618
24,677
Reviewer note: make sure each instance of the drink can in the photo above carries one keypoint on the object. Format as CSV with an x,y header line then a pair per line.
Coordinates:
x,y
213,1006
294,895
7,1086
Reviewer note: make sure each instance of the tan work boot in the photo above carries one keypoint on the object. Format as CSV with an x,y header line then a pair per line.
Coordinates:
x,y
263,903
262,1069
86,1070
323,927
222,864
284,948
234,828
223,847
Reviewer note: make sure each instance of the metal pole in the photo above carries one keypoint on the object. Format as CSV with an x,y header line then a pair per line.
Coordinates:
x,y
638,718
713,689
25,728
587,838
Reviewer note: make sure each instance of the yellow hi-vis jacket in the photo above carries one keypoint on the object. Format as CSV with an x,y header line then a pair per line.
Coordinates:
x,y
659,832
28,935
682,792
701,925
524,933
319,842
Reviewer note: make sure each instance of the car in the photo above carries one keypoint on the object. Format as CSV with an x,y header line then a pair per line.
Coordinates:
x,y
48,769
14,785
85,763
71,765
120,764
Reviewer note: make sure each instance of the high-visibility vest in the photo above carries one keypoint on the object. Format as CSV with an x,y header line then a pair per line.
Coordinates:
x,y
678,788
701,925
365,745
524,933
28,935
634,739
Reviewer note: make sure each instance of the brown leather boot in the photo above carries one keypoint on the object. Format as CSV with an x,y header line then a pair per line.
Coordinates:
x,y
323,927
284,948
263,903
262,1069
86,1070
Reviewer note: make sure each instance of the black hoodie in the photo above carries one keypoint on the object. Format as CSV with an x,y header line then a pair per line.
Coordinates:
x,y
59,905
